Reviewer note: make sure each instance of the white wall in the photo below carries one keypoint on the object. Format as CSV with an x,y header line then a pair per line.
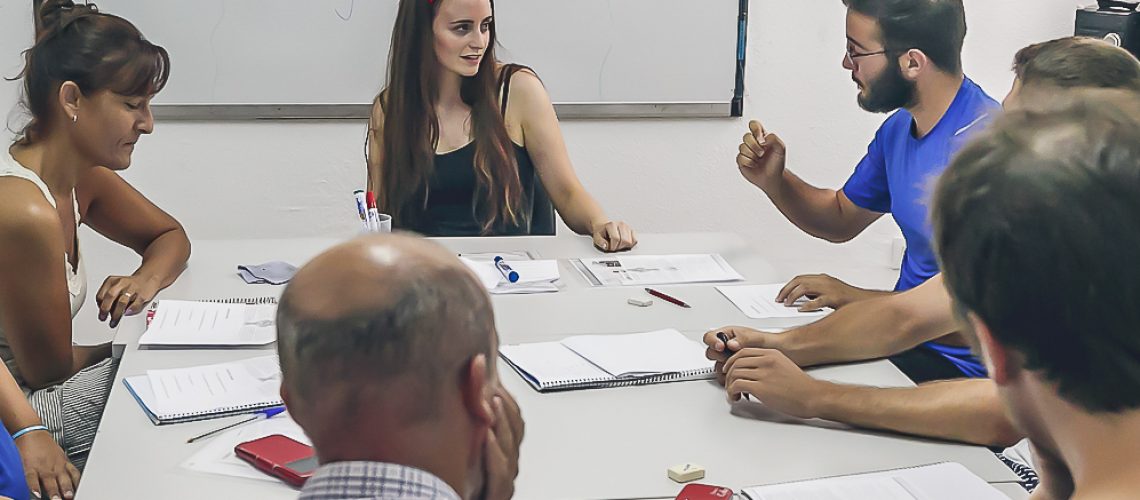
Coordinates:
x,y
285,179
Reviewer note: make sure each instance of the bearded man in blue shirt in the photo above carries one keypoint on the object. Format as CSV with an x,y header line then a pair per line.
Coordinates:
x,y
905,58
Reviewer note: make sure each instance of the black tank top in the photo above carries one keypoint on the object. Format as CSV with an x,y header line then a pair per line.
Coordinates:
x,y
452,204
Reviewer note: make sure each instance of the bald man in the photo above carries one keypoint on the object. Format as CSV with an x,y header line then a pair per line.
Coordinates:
x,y
387,347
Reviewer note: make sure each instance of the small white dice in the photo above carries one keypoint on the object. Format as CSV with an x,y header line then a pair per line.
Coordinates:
x,y
634,301
686,472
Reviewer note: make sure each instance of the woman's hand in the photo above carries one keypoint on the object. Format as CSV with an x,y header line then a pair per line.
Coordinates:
x,y
49,473
612,236
124,295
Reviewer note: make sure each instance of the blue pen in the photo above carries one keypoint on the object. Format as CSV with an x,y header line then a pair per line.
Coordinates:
x,y
510,274
266,413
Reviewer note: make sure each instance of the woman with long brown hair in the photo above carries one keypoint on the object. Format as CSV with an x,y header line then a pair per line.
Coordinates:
x,y
461,145
88,81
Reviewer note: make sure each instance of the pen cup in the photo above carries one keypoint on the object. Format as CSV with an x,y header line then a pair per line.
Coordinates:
x,y
385,223
376,223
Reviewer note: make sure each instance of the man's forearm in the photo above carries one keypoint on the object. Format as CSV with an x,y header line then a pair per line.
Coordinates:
x,y
965,410
814,210
868,329
874,328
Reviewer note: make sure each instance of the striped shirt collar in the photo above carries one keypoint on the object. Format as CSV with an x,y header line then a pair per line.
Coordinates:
x,y
374,481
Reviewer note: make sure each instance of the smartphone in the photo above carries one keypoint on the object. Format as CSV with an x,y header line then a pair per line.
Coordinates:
x,y
281,457
704,492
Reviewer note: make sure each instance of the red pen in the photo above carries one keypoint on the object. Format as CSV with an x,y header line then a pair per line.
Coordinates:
x,y
668,298
373,213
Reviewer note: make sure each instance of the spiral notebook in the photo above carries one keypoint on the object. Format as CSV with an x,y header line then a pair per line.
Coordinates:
x,y
206,392
210,324
941,481
599,361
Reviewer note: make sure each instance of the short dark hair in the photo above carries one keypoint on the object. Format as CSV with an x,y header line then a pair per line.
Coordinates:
x,y
96,50
433,323
1073,62
1031,224
936,27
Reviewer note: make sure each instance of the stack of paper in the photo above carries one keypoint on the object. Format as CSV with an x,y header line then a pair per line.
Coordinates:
x,y
759,302
182,324
535,276
943,481
211,391
641,270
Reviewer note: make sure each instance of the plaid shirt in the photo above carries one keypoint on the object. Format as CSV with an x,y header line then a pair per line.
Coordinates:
x,y
374,481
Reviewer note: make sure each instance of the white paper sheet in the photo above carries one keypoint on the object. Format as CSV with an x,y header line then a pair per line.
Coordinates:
x,y
759,302
217,454
535,276
943,481
639,270
202,389
205,324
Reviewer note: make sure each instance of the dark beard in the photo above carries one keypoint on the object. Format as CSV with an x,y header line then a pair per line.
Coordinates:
x,y
889,92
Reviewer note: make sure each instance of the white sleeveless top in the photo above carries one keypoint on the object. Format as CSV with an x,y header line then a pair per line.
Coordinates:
x,y
76,278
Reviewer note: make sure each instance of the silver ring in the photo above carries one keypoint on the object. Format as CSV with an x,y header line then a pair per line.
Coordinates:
x,y
127,294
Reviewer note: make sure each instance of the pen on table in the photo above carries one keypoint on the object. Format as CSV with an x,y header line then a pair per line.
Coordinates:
x,y
667,298
266,413
724,338
510,274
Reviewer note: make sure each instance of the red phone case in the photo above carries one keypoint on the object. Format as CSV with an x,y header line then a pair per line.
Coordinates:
x,y
270,454
704,492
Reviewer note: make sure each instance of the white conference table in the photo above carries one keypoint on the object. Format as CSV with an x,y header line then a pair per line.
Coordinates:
x,y
609,443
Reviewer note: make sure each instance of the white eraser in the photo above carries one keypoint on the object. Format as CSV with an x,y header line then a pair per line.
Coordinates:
x,y
634,301
686,472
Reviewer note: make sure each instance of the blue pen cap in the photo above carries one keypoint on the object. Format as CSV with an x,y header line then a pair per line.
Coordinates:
x,y
510,274
273,412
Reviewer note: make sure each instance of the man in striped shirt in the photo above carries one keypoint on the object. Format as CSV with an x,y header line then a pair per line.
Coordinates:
x,y
387,347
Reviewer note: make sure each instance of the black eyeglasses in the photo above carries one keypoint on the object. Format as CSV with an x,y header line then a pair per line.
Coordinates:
x,y
852,56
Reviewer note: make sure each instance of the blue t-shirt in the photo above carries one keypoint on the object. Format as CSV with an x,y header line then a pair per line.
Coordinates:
x,y
898,176
12,482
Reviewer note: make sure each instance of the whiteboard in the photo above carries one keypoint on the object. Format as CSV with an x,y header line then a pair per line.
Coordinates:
x,y
279,58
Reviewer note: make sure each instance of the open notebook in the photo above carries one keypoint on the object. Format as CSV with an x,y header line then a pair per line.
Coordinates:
x,y
596,361
206,392
227,323
942,481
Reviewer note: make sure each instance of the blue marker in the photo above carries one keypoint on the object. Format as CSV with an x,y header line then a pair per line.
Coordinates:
x,y
510,274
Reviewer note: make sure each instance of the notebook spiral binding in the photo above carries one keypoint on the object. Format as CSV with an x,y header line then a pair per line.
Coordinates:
x,y
244,300
600,383
220,412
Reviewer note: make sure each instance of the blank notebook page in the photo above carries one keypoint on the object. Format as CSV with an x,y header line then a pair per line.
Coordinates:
x,y
662,351
551,361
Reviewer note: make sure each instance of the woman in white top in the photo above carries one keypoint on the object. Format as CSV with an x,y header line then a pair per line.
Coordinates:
x,y
88,82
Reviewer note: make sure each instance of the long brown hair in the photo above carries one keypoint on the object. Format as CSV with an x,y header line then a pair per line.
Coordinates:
x,y
411,131
97,51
